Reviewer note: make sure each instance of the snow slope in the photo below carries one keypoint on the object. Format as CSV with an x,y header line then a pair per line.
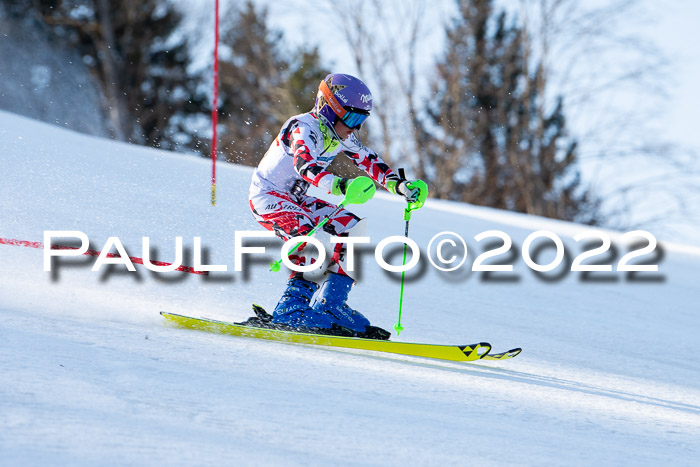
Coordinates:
x,y
89,372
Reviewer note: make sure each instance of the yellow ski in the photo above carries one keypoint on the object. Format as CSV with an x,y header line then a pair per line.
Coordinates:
x,y
457,353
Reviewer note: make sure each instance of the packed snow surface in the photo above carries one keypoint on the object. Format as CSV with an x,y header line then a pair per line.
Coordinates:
x,y
90,373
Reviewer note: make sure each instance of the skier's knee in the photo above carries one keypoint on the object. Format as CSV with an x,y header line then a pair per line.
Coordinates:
x,y
336,257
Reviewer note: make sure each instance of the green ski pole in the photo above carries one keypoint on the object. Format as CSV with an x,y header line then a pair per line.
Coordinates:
x,y
407,218
276,265
359,191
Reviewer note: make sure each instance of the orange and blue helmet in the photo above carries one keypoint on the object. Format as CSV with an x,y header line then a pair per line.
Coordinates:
x,y
343,98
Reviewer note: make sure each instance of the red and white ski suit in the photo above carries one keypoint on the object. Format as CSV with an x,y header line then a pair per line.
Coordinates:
x,y
297,158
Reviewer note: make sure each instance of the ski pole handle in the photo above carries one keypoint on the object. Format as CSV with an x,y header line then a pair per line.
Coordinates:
x,y
407,211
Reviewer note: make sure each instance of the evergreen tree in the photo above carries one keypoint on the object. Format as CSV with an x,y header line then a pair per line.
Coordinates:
x,y
489,138
261,84
132,49
306,73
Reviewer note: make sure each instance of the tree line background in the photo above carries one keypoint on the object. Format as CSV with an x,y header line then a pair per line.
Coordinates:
x,y
492,129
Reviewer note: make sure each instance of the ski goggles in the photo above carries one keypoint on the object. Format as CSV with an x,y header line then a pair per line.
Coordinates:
x,y
354,119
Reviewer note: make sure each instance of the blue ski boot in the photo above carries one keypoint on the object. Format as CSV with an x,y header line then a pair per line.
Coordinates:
x,y
293,309
331,301
295,299
329,315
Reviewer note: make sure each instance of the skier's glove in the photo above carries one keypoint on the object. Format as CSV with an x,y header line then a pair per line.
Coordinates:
x,y
356,190
415,192
340,185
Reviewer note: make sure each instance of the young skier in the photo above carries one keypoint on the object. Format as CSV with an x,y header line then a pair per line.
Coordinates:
x,y
297,158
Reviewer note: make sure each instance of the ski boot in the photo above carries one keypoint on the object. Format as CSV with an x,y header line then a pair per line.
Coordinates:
x,y
293,312
330,301
290,310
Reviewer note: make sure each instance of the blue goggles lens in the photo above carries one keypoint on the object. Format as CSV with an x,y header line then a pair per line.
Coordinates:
x,y
354,119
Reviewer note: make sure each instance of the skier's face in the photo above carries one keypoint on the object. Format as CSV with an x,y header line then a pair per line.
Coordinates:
x,y
343,130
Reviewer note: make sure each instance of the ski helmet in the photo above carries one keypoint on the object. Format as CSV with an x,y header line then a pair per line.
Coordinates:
x,y
345,98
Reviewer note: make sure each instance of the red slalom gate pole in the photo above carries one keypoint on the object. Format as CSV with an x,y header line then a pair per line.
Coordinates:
x,y
133,259
215,110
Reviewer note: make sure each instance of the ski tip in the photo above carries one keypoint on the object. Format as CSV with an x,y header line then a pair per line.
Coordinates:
x,y
512,353
504,355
